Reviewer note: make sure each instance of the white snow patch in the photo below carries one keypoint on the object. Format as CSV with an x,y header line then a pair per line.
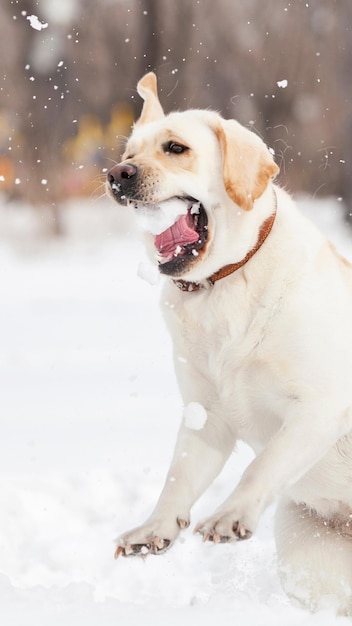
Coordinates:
x,y
195,416
148,272
35,23
156,218
282,83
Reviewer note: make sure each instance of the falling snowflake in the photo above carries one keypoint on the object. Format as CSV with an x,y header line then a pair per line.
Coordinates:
x,y
35,23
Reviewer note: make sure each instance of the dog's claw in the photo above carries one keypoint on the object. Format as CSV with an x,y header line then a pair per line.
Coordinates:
x,y
158,543
128,550
241,531
125,551
183,523
119,550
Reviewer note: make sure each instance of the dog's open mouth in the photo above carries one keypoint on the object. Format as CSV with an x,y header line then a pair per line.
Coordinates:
x,y
186,236
179,226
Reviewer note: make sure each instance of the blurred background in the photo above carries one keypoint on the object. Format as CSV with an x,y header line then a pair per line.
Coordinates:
x,y
70,68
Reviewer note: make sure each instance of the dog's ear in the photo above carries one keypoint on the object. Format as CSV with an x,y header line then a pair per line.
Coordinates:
x,y
152,109
247,163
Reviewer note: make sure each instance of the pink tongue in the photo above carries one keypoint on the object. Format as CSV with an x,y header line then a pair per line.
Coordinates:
x,y
180,234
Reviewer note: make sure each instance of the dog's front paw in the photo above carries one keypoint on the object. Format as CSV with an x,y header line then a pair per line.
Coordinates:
x,y
223,529
151,538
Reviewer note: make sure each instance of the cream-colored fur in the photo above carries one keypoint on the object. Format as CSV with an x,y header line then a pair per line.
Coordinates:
x,y
267,351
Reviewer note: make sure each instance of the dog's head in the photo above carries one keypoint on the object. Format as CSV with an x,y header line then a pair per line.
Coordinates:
x,y
189,175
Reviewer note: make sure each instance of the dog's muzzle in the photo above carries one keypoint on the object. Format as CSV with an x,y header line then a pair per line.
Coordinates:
x,y
182,241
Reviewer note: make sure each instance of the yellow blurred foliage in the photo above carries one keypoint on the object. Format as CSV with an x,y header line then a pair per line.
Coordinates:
x,y
89,153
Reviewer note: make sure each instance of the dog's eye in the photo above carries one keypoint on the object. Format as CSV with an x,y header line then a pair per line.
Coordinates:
x,y
172,147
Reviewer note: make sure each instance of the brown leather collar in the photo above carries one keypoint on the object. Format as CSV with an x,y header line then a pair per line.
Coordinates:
x,y
264,231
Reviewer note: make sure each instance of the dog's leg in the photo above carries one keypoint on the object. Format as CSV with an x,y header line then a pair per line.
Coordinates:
x,y
314,558
199,457
297,446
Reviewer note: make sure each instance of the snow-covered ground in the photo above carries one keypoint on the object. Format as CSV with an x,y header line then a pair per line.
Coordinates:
x,y
89,411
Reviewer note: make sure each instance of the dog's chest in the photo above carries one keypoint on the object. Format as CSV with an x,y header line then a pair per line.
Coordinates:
x,y
221,349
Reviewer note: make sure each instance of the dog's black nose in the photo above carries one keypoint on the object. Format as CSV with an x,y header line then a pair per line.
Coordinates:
x,y
121,173
122,180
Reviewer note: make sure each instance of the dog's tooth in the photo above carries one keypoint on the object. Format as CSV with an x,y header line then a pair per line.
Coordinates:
x,y
195,208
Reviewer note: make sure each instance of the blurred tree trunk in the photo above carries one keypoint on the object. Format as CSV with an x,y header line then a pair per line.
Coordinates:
x,y
149,35
37,107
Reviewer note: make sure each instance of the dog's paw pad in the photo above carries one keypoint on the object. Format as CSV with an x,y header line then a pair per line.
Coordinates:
x,y
131,550
221,533
214,537
155,546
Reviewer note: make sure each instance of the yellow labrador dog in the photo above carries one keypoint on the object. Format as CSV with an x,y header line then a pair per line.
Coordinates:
x,y
259,307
